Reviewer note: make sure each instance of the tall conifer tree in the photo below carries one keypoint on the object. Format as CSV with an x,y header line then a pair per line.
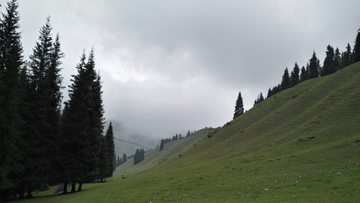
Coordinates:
x,y
329,66
162,143
314,66
124,159
74,122
45,98
303,74
239,106
285,83
356,53
295,75
11,60
337,60
346,57
83,123
110,147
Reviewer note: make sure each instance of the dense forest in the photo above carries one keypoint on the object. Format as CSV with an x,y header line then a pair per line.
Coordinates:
x,y
41,143
333,62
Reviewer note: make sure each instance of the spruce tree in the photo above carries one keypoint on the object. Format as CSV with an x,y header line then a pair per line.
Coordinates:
x,y
295,76
273,91
11,120
142,155
118,161
83,124
96,121
303,74
110,147
124,159
162,143
259,99
269,93
329,66
285,83
356,53
44,118
74,123
314,66
346,57
136,157
337,60
239,106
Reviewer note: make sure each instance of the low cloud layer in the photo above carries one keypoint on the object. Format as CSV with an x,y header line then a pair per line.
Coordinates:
x,y
172,66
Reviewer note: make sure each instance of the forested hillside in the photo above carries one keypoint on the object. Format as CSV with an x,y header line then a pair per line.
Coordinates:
x,y
41,143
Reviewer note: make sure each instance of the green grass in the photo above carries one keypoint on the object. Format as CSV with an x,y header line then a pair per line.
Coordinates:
x,y
300,145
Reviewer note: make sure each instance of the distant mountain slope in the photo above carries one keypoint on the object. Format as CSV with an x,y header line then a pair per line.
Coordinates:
x,y
123,146
127,143
301,144
155,156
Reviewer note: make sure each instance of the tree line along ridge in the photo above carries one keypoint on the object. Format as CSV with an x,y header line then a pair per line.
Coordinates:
x,y
334,61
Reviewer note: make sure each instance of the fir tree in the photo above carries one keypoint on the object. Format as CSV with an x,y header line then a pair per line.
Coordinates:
x,y
356,53
274,90
11,120
285,83
314,66
303,74
295,76
136,156
124,159
239,106
44,116
259,99
118,161
96,121
269,93
139,156
110,147
329,66
346,57
142,155
83,124
74,122
337,60
162,143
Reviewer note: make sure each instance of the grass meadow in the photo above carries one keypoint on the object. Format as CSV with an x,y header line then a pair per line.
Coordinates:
x,y
300,145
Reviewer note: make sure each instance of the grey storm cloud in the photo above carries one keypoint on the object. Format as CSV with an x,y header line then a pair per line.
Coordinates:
x,y
172,66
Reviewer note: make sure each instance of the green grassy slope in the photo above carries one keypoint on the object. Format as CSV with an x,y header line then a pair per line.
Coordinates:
x,y
154,157
300,145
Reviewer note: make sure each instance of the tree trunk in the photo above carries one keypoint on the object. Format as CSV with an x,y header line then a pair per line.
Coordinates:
x,y
73,189
29,195
65,187
79,188
22,191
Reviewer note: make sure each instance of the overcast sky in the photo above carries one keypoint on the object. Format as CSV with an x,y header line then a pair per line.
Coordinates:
x,y
169,66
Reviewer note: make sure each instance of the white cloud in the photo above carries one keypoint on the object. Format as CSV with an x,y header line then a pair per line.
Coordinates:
x,y
169,66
